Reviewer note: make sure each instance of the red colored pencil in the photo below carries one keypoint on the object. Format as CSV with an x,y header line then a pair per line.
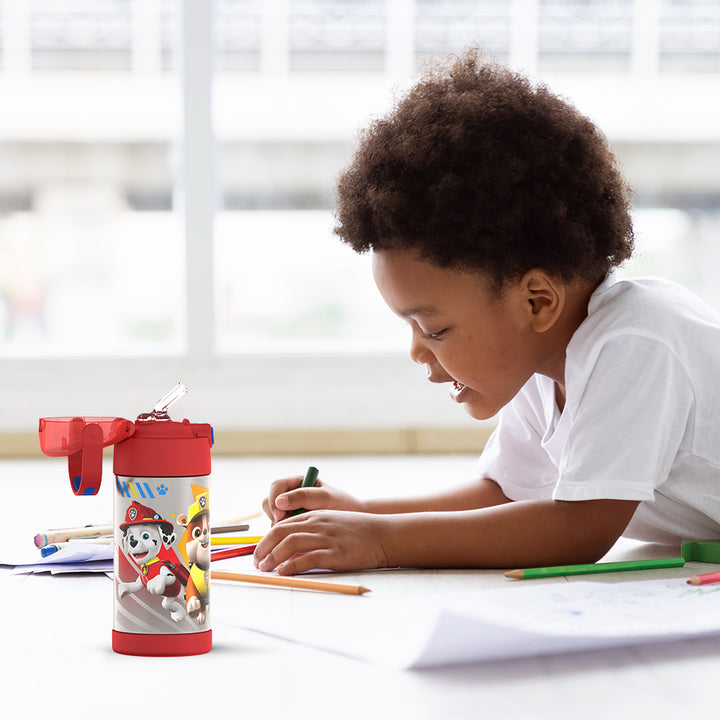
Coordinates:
x,y
705,579
232,552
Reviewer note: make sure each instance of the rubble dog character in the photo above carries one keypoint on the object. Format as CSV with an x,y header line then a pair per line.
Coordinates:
x,y
197,524
147,540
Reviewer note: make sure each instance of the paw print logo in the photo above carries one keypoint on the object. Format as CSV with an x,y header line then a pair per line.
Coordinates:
x,y
162,489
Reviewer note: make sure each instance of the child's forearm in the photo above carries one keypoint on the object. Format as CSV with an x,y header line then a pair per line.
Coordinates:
x,y
517,534
509,535
479,494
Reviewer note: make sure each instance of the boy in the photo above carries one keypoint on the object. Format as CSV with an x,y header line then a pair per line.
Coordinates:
x,y
495,214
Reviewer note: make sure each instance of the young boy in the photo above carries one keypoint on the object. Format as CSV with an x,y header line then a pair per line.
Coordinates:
x,y
495,214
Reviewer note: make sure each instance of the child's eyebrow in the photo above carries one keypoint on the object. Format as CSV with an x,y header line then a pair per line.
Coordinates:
x,y
419,310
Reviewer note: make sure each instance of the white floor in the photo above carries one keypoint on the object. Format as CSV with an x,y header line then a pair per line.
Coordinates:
x,y
55,630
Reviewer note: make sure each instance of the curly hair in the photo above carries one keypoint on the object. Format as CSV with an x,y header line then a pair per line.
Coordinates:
x,y
477,169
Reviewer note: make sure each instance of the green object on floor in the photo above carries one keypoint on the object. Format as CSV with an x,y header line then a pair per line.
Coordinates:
x,y
701,550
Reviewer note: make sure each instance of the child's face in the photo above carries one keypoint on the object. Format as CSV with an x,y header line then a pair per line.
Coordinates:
x,y
462,332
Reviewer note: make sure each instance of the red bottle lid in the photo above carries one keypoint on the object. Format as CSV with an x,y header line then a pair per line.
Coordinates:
x,y
82,440
163,448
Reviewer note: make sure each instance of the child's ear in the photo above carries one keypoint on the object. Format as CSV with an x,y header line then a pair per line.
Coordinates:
x,y
543,298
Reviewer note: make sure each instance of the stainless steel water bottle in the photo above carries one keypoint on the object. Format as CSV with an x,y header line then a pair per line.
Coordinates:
x,y
161,521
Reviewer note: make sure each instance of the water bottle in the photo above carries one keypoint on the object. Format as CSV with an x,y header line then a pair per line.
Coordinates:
x,y
161,521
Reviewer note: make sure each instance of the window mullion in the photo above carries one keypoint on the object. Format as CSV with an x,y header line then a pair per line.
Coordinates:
x,y
197,184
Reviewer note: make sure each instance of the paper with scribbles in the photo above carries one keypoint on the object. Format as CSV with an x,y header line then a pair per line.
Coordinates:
x,y
523,620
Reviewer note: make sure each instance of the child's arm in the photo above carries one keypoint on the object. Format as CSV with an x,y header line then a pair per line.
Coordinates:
x,y
516,534
286,495
478,494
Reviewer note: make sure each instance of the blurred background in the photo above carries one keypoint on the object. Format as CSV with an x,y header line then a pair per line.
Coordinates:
x,y
166,189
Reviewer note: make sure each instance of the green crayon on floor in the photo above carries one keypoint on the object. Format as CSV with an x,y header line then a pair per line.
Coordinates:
x,y
595,568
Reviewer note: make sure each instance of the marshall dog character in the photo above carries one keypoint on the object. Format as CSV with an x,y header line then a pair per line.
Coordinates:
x,y
197,524
147,541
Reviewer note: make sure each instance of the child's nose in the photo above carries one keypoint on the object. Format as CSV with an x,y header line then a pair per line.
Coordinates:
x,y
419,351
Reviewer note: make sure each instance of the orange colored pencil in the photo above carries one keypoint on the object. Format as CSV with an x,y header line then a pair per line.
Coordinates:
x,y
289,582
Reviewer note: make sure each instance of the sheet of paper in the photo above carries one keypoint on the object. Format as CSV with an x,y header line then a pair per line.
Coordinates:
x,y
566,617
524,619
96,566
17,546
73,557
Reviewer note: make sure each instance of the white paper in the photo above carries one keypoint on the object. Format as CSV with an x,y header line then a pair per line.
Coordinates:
x,y
72,557
521,620
566,617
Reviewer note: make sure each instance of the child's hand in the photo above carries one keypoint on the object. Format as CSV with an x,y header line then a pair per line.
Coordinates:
x,y
325,540
286,495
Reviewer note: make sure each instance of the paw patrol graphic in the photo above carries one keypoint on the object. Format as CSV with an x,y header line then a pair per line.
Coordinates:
x,y
147,541
197,547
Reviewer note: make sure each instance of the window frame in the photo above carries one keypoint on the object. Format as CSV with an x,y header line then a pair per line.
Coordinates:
x,y
312,390
254,391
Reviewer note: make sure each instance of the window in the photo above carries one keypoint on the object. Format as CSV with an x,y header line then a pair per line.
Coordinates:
x,y
92,246
166,189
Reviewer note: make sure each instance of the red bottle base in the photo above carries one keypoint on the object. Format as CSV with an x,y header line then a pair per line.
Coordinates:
x,y
161,645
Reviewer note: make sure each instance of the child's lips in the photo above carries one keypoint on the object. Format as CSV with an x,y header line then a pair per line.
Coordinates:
x,y
458,391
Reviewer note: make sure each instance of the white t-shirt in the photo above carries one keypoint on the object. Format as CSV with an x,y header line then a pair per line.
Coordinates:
x,y
641,419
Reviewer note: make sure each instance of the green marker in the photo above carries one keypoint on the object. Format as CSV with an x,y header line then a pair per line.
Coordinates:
x,y
308,481
595,568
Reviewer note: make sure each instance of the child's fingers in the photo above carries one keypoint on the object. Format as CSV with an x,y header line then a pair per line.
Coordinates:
x,y
278,487
281,544
316,559
314,498
265,549
272,512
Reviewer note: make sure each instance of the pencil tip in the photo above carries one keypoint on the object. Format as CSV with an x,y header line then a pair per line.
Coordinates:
x,y
694,581
515,574
362,590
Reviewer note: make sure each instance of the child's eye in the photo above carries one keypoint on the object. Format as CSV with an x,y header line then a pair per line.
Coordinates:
x,y
435,335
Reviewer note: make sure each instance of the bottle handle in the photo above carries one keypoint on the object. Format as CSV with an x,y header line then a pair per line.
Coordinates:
x,y
85,466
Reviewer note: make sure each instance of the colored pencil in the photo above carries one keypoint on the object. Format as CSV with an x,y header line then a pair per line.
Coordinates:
x,y
243,518
308,481
229,528
236,540
232,552
704,579
99,540
55,529
289,582
49,550
531,573
58,536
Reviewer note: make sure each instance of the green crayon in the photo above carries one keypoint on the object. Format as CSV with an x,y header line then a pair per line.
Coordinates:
x,y
308,481
595,568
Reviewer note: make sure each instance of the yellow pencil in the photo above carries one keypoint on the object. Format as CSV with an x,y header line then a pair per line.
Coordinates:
x,y
289,582
236,540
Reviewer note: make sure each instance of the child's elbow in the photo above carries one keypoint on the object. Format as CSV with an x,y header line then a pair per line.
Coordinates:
x,y
594,526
